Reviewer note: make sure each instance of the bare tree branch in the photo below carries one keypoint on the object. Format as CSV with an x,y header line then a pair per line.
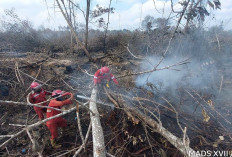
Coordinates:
x,y
29,104
83,145
34,144
127,47
155,68
74,33
175,141
36,124
79,122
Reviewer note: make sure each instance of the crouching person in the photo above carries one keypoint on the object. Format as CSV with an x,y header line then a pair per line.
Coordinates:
x,y
104,74
59,121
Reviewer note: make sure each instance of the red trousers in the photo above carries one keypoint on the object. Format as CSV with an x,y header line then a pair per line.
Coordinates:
x,y
40,112
54,124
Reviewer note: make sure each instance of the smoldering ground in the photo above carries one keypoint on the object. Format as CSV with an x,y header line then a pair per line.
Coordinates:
x,y
208,73
197,75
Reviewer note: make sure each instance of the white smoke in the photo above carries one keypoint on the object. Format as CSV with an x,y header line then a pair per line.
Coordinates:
x,y
196,74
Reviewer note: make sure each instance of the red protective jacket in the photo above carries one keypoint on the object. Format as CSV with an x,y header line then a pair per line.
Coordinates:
x,y
57,122
38,98
57,104
99,76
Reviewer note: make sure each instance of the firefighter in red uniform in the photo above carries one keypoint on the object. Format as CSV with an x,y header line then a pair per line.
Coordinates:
x,y
104,74
38,95
57,122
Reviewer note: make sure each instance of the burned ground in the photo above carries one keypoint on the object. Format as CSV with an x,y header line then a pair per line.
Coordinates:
x,y
203,107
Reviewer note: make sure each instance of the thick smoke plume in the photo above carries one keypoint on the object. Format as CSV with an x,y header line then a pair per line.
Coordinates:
x,y
196,74
208,73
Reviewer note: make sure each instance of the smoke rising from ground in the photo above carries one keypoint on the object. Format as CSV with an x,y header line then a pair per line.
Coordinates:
x,y
196,74
207,64
208,73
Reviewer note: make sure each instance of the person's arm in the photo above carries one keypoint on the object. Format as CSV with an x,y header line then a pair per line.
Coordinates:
x,y
96,77
113,78
48,93
56,103
69,100
31,99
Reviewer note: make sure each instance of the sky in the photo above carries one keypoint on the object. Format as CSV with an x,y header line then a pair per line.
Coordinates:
x,y
128,13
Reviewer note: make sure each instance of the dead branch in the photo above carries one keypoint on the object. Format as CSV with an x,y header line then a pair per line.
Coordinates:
x,y
108,154
173,8
29,104
68,85
79,149
219,46
127,47
37,73
155,68
33,77
84,106
144,149
74,33
144,99
84,71
83,145
175,141
19,125
206,109
29,127
185,137
16,73
3,136
177,117
78,7
220,88
135,120
155,7
34,144
79,122
95,101
148,139
106,27
19,75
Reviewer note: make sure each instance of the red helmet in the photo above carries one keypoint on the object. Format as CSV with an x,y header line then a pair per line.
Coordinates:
x,y
57,92
105,69
34,85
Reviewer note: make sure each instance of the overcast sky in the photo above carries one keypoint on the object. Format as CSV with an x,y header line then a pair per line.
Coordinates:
x,y
128,13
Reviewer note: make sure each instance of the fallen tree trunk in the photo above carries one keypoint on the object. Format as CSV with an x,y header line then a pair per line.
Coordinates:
x,y
97,131
181,144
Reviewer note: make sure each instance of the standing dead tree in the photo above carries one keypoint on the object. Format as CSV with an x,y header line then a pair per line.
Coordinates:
x,y
74,32
107,26
98,12
86,16
87,22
